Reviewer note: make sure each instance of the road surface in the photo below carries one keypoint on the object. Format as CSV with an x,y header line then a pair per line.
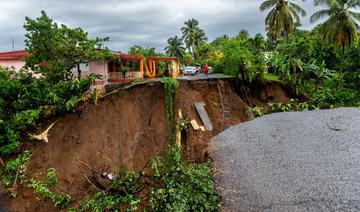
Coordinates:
x,y
304,161
203,77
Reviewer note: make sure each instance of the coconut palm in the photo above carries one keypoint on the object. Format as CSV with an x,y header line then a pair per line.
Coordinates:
x,y
283,17
189,31
193,35
199,39
342,26
175,47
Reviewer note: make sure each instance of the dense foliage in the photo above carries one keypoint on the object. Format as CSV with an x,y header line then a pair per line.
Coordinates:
x,y
176,185
341,27
322,64
175,47
25,101
276,107
328,75
193,36
54,50
283,18
187,187
170,85
124,189
142,51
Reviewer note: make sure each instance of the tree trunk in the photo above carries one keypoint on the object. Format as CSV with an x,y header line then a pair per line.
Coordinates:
x,y
79,71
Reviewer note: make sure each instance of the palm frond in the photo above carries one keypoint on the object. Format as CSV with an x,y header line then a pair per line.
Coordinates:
x,y
320,14
267,5
297,8
354,15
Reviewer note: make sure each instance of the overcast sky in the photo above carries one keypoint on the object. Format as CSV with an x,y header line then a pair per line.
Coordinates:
x,y
148,23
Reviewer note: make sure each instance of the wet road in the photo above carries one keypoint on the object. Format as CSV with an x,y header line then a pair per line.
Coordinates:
x,y
306,161
203,77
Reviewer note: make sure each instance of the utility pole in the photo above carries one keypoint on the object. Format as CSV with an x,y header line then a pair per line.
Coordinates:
x,y
13,45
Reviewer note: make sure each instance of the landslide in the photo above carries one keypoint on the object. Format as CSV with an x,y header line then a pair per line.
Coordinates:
x,y
225,108
125,130
128,129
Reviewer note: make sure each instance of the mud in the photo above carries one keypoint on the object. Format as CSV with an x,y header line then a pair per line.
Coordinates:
x,y
223,112
128,129
124,131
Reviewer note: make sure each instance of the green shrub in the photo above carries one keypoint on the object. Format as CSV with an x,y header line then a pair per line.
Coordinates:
x,y
61,201
126,181
106,201
171,85
25,101
258,111
330,98
13,166
183,124
293,105
175,186
123,192
51,177
186,187
41,188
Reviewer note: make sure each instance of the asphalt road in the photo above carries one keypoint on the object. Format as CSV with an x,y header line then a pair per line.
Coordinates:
x,y
304,161
203,77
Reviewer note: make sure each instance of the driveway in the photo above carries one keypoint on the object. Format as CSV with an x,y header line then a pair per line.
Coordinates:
x,y
304,161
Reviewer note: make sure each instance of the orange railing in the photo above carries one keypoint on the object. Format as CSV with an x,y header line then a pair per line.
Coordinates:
x,y
116,75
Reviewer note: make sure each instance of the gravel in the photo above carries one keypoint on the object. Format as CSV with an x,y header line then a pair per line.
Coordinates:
x,y
301,161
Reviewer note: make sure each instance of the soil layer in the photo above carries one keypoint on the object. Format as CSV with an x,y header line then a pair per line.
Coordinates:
x,y
224,107
128,129
125,130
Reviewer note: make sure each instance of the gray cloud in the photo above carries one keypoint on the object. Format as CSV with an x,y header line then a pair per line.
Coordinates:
x,y
144,22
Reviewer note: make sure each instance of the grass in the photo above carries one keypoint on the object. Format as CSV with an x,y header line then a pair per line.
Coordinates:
x,y
224,75
272,77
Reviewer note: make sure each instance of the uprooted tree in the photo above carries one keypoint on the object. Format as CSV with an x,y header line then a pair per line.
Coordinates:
x,y
56,49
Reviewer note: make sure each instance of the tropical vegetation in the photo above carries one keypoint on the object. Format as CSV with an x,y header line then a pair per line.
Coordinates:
x,y
193,36
341,27
55,50
283,18
320,64
175,47
321,67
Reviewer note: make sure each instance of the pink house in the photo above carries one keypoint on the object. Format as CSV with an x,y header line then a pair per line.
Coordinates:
x,y
15,59
122,69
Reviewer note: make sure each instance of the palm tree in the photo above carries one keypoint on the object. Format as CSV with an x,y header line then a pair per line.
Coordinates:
x,y
193,35
175,47
283,17
189,31
199,39
259,43
243,34
341,27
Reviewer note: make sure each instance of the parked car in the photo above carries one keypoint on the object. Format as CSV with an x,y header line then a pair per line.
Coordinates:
x,y
190,70
182,69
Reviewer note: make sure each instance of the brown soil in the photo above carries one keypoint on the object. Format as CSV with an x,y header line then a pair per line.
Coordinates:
x,y
236,109
128,129
124,131
264,92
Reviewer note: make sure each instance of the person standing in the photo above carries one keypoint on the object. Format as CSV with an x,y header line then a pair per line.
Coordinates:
x,y
206,69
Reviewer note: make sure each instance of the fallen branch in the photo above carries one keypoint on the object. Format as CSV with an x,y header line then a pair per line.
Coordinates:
x,y
16,177
83,163
86,177
44,136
